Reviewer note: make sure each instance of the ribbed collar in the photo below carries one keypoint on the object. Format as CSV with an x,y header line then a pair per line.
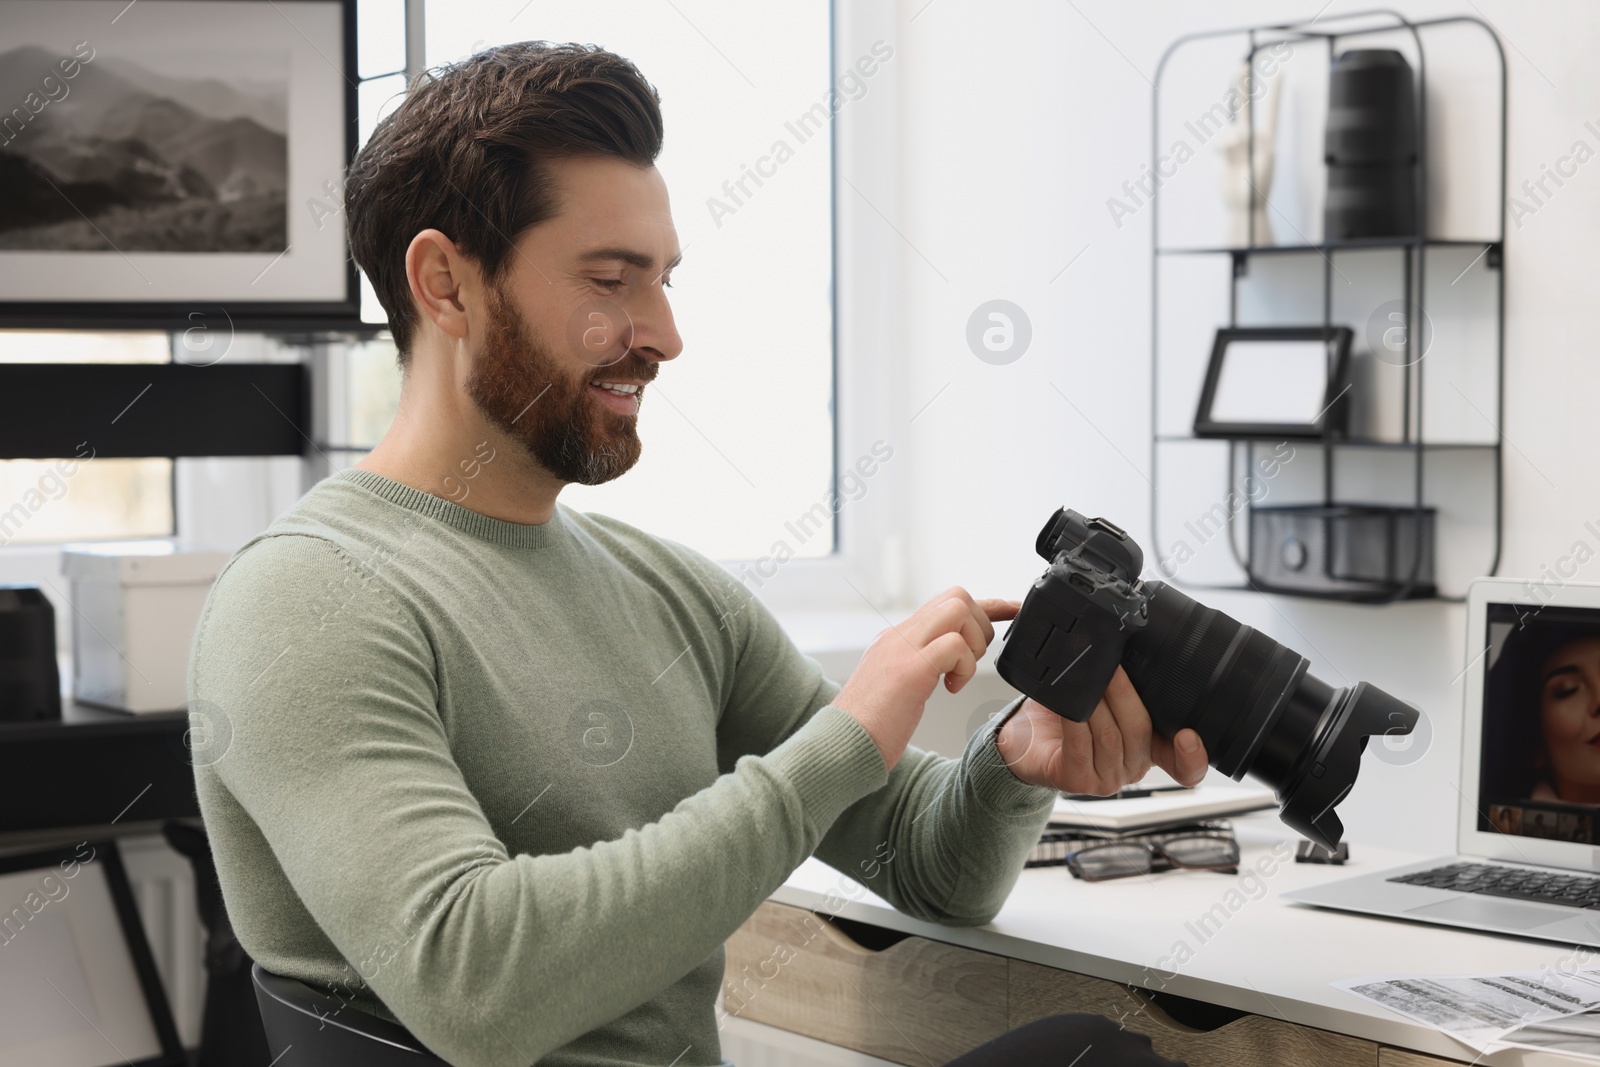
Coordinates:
x,y
495,531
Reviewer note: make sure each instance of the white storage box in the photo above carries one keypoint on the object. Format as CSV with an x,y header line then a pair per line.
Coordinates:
x,y
135,605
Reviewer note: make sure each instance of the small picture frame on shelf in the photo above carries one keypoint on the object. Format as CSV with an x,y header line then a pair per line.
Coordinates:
x,y
1276,382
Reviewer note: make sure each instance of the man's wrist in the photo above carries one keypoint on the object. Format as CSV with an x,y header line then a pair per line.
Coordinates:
x,y
1004,737
992,775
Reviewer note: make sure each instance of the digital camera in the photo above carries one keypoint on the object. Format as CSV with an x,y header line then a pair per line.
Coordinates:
x,y
1250,699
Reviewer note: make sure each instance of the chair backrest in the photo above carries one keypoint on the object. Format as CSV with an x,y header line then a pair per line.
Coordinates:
x,y
325,1032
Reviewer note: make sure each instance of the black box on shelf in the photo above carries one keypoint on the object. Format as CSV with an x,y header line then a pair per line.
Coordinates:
x,y
1345,551
30,682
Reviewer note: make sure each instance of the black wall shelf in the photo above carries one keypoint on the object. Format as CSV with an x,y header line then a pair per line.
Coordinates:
x,y
1339,442
1362,244
1414,253
110,410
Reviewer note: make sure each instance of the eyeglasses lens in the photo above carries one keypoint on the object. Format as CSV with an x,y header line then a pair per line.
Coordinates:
x,y
1203,851
1112,861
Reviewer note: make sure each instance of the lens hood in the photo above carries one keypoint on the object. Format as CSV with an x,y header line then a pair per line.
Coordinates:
x,y
1334,756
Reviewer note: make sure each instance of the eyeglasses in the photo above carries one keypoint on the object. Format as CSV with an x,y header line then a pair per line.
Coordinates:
x,y
1205,851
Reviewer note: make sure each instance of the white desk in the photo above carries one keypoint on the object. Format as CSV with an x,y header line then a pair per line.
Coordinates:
x,y
1270,958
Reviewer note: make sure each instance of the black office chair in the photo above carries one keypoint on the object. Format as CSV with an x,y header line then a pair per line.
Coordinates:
x,y
322,1035
230,1025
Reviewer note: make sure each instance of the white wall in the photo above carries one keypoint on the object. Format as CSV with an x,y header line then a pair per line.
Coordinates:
x,y
1021,119
1018,120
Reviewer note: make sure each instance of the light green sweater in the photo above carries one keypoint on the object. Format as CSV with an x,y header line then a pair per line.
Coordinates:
x,y
514,785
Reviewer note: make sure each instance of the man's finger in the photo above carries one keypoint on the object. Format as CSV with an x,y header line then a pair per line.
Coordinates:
x,y
972,626
952,615
1104,744
1186,766
993,610
999,609
1107,737
1077,755
1191,757
1133,720
966,664
938,603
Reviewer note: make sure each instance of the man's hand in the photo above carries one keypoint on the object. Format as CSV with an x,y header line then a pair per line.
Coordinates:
x,y
1114,747
896,675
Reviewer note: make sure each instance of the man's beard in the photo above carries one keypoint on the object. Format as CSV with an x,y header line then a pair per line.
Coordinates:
x,y
522,387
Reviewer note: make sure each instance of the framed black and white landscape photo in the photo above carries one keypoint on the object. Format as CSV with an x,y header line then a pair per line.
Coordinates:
x,y
164,159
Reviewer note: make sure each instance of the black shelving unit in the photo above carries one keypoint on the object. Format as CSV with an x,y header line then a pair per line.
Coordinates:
x,y
1414,251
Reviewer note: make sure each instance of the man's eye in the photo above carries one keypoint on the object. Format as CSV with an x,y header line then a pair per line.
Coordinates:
x,y
610,285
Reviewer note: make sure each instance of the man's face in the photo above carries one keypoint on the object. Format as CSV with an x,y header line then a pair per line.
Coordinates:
x,y
580,321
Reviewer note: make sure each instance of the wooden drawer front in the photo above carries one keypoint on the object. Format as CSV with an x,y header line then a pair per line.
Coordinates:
x,y
1037,992
1399,1057
917,1002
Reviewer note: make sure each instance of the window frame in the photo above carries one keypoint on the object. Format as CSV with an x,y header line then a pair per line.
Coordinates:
x,y
867,570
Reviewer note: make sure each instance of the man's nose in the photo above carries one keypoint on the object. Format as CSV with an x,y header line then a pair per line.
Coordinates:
x,y
655,333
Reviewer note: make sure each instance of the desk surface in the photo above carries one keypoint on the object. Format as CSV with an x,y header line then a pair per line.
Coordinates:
x,y
93,767
1270,957
76,715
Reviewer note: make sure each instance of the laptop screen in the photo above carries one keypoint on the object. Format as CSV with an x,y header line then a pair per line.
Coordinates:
x,y
1540,764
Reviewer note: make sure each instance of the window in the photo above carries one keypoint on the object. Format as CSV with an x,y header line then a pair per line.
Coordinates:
x,y
738,431
362,381
64,499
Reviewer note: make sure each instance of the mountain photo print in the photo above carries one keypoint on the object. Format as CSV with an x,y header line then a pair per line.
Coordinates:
x,y
132,153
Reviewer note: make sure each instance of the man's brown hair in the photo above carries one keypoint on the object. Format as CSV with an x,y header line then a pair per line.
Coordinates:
x,y
466,154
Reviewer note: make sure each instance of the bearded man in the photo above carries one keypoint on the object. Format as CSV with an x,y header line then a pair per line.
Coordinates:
x,y
510,774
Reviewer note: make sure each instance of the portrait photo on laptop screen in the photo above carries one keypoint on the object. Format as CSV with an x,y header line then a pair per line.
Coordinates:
x,y
1541,723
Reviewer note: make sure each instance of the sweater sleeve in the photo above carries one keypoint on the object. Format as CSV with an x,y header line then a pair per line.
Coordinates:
x,y
340,759
943,839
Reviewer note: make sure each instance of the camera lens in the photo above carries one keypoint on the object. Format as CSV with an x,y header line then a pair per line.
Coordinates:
x,y
1256,708
1250,699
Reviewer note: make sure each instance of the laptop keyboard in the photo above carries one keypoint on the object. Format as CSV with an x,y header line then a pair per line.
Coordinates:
x,y
1519,883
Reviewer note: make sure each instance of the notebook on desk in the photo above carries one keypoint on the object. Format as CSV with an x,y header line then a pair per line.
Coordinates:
x,y
1528,815
1165,804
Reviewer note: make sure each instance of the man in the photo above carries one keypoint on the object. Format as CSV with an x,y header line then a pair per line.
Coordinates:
x,y
510,774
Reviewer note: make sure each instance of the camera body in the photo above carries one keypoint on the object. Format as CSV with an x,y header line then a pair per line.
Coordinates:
x,y
1252,701
1067,640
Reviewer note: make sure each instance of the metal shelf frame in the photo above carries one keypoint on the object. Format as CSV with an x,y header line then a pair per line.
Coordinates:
x,y
1413,249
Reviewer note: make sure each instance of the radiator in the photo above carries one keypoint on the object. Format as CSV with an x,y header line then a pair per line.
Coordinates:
x,y
163,885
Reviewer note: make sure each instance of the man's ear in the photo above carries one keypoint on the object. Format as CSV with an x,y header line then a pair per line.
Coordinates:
x,y
438,275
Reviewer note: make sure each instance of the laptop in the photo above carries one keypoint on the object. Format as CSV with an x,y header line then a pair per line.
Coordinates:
x,y
1528,826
